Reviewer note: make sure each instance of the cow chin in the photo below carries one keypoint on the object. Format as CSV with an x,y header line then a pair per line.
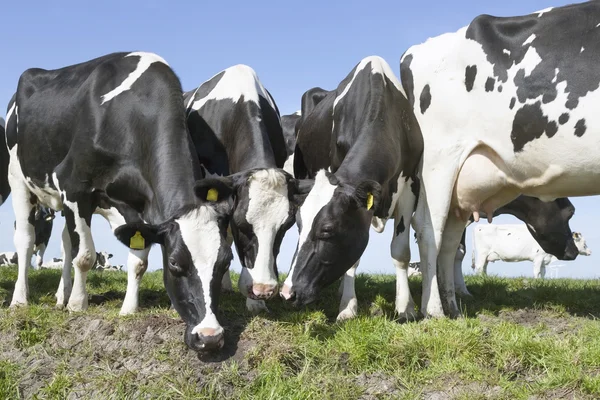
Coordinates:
x,y
571,252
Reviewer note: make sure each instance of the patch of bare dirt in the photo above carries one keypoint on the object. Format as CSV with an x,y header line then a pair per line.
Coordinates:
x,y
378,385
145,348
457,389
532,318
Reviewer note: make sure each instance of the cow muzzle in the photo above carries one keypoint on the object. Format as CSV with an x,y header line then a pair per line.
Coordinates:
x,y
262,291
204,339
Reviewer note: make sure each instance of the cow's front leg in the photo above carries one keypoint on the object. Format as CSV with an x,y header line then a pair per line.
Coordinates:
x,y
137,264
348,303
24,239
78,216
65,286
39,259
227,286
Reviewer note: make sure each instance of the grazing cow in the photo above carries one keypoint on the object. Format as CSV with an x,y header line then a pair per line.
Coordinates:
x,y
288,126
362,146
235,127
42,227
513,243
506,106
8,258
547,223
111,133
101,263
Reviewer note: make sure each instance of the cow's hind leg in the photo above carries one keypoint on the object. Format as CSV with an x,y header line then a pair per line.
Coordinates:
x,y
24,207
455,226
539,268
78,217
65,286
400,251
348,303
459,279
137,264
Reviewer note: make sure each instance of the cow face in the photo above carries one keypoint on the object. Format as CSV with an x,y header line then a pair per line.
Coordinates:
x,y
334,226
548,223
264,209
195,257
581,245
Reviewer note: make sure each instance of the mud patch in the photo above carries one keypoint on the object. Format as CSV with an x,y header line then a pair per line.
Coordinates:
x,y
531,318
378,385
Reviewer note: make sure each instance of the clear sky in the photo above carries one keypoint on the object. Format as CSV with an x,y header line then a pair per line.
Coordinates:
x,y
292,46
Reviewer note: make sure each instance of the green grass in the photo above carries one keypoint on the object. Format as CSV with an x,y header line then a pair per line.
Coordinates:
x,y
520,339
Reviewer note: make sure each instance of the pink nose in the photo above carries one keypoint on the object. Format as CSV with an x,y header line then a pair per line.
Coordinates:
x,y
286,292
264,291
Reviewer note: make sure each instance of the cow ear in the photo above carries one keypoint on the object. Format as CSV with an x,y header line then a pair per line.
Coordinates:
x,y
138,235
368,194
215,190
302,188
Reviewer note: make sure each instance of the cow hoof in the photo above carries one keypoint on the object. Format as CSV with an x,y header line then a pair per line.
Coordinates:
x,y
407,315
127,311
18,303
346,314
256,306
77,305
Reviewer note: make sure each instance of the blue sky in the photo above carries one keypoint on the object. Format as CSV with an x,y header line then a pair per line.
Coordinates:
x,y
293,46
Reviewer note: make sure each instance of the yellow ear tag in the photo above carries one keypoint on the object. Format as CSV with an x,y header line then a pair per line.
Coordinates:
x,y
212,195
137,241
369,201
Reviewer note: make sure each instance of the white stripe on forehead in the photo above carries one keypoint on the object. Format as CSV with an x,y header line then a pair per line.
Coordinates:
x,y
146,59
237,81
202,237
268,209
319,196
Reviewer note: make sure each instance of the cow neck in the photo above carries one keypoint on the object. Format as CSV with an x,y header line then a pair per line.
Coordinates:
x,y
252,158
366,163
173,183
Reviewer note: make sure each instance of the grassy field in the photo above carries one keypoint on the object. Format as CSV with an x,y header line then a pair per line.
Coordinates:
x,y
521,339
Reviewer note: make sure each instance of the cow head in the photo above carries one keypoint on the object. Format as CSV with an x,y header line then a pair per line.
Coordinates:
x,y
44,214
102,258
581,245
548,223
195,257
334,226
264,209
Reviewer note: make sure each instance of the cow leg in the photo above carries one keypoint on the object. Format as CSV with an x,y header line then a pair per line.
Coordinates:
x,y
431,303
227,286
459,279
24,239
455,226
348,303
78,216
65,286
39,259
137,264
539,269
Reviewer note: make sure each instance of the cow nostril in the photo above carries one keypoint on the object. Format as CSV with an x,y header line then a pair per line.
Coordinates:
x,y
287,293
264,291
208,339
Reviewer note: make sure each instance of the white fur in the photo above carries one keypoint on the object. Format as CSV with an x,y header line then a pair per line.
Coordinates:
x,y
146,60
530,39
542,12
201,235
268,209
512,243
137,263
317,198
237,81
348,303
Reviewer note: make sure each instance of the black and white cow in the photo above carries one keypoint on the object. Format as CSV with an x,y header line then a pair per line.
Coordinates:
x,y
111,133
42,226
288,126
235,127
507,107
362,145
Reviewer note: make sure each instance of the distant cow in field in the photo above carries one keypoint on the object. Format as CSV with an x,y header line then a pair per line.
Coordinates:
x,y
513,243
288,126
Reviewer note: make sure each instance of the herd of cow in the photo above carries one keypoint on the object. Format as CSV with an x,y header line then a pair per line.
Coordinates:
x,y
495,118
